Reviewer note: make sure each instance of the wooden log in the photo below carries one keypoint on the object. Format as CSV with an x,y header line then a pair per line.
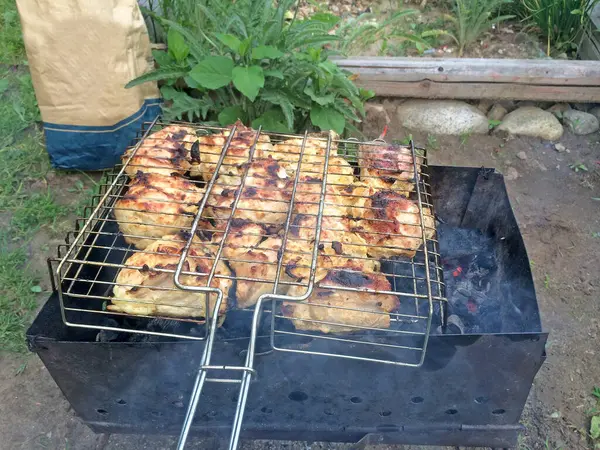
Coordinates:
x,y
548,80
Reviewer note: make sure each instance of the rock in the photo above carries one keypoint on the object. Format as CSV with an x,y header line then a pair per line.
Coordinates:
x,y
532,121
558,109
484,106
595,112
442,117
522,156
562,55
585,107
559,147
509,105
525,103
376,118
580,123
511,174
497,112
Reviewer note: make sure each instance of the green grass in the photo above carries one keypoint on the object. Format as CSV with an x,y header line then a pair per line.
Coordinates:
x,y
12,50
26,202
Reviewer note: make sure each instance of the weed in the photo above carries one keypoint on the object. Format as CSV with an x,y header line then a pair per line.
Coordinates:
x,y
596,234
493,124
21,369
560,22
470,19
578,167
464,138
405,141
596,392
547,281
432,143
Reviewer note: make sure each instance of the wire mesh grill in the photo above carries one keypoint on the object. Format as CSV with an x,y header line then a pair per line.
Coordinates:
x,y
332,240
233,216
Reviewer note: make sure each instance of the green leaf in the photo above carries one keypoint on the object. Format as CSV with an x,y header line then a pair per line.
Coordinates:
x,y
162,73
230,41
595,427
162,58
266,52
178,49
319,99
249,80
274,73
272,120
36,289
365,94
184,105
327,119
577,12
196,49
245,46
283,102
213,72
231,114
326,18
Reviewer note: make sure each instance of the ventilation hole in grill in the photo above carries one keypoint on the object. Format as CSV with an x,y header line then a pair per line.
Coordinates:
x,y
481,399
417,400
498,412
266,410
178,404
328,412
121,401
156,413
451,411
385,413
102,412
356,400
298,396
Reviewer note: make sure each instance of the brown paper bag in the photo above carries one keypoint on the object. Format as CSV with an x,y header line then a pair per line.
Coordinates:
x,y
81,54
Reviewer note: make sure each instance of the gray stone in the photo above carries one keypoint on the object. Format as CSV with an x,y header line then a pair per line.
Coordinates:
x,y
511,174
484,106
497,112
532,121
509,105
442,117
559,147
522,156
585,107
558,109
525,103
595,111
376,118
580,123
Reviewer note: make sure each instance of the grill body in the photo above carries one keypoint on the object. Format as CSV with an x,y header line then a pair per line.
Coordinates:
x,y
471,389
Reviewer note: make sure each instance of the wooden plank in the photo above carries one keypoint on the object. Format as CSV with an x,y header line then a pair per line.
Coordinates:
x,y
492,91
517,71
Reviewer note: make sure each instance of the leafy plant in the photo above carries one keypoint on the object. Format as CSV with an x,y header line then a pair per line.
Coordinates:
x,y
361,32
257,66
469,20
578,167
560,22
493,123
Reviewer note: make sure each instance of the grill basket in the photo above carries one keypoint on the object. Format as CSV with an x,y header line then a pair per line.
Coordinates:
x,y
300,213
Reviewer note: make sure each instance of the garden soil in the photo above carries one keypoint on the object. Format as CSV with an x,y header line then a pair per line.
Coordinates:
x,y
560,222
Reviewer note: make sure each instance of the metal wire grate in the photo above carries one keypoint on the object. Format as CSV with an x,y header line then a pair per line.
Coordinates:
x,y
329,241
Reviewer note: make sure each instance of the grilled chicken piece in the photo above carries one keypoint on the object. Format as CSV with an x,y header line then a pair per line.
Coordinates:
x,y
339,247
388,167
259,262
264,198
164,152
288,152
354,197
209,149
156,205
242,236
391,225
365,309
145,286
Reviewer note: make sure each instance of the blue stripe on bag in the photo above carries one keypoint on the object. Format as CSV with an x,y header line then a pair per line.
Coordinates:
x,y
93,148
